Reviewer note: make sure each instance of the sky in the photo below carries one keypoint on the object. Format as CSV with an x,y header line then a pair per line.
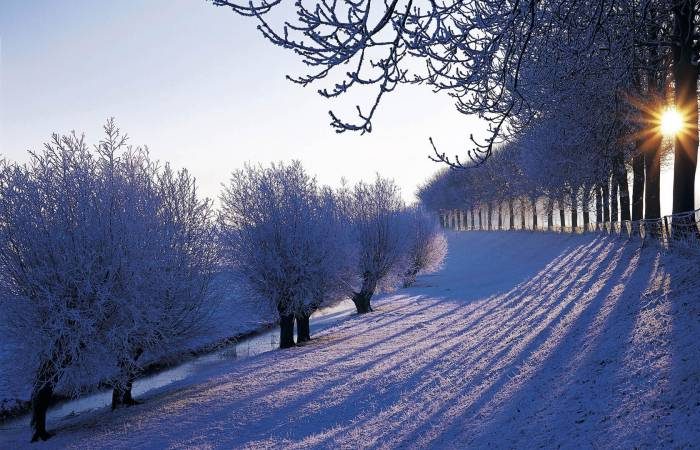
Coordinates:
x,y
202,88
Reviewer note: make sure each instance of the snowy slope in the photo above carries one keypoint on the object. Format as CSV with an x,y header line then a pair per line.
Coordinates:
x,y
523,340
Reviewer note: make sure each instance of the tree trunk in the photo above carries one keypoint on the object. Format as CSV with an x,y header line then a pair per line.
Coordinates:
x,y
303,328
652,190
685,74
41,398
562,214
586,209
522,214
122,395
598,207
481,222
621,173
614,217
500,215
362,302
511,214
651,144
362,298
286,330
533,200
488,214
638,187
606,200
574,209
40,404
550,213
471,211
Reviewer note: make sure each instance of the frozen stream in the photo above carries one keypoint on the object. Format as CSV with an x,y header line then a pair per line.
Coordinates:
x,y
171,377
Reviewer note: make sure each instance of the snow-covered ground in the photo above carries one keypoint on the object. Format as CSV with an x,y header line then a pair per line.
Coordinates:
x,y
523,340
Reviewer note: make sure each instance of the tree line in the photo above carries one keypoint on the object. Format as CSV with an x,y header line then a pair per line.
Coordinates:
x,y
107,257
574,92
564,192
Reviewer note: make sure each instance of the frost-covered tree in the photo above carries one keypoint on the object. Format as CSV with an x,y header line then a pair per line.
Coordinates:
x,y
171,248
285,239
427,245
93,269
513,63
380,227
57,268
336,278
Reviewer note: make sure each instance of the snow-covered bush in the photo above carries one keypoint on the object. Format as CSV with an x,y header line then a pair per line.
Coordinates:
x,y
285,238
381,229
427,248
103,256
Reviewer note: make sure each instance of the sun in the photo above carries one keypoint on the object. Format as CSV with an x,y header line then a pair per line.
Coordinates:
x,y
671,122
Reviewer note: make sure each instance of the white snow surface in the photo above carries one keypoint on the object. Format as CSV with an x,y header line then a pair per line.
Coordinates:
x,y
523,340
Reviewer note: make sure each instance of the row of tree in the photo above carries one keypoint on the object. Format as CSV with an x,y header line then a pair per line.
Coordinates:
x,y
561,190
107,257
299,246
574,91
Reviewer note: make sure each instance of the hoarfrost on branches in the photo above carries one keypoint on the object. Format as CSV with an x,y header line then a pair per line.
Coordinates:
x,y
104,256
286,239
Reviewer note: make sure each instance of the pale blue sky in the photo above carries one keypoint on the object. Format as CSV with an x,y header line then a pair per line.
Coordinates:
x,y
202,88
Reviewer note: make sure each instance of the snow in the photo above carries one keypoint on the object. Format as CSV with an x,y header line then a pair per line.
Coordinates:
x,y
522,340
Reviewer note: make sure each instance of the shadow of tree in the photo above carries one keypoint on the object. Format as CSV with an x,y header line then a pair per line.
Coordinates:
x,y
595,347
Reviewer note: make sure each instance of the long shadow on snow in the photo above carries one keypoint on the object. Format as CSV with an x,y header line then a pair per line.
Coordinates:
x,y
675,306
555,354
455,342
453,369
417,335
400,335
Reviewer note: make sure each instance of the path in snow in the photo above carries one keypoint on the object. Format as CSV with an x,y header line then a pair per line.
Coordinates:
x,y
523,340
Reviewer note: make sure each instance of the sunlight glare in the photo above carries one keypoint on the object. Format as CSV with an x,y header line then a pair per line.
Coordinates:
x,y
671,122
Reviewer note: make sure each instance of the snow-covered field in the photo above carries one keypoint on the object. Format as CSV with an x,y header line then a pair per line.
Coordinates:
x,y
523,340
